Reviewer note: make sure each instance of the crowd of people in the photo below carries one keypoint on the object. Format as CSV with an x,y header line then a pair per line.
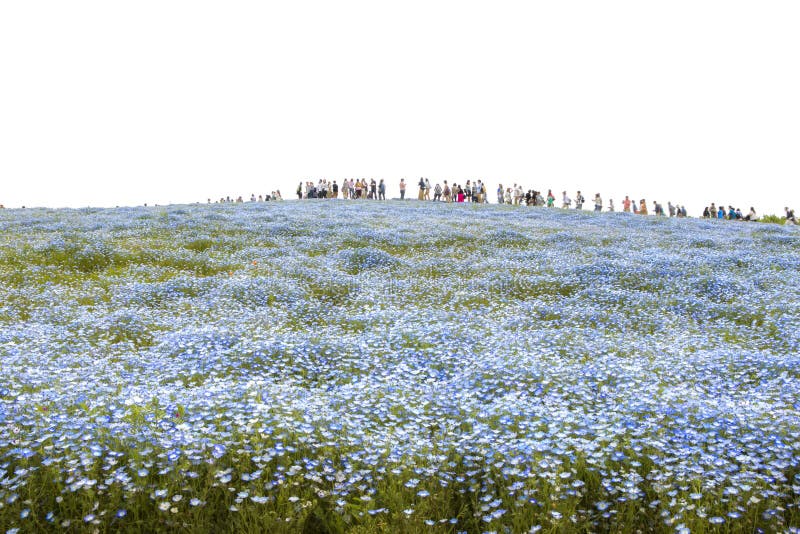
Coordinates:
x,y
731,214
275,195
475,191
349,189
471,191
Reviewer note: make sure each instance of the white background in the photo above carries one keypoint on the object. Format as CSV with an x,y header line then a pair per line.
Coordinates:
x,y
120,103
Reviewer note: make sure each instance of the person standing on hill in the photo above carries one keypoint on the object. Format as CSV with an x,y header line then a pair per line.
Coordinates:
x,y
421,184
402,188
611,205
427,189
437,192
642,207
447,194
626,204
566,202
598,203
551,200
500,194
579,200
790,218
382,190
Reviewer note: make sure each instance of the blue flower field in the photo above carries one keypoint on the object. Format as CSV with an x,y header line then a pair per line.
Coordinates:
x,y
396,367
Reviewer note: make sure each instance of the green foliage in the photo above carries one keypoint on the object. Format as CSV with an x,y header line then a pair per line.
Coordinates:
x,y
77,254
772,219
199,245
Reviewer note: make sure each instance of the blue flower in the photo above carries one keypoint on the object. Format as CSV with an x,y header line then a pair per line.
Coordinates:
x,y
218,451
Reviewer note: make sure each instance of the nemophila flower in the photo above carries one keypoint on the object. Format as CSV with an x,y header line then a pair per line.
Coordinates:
x,y
423,493
716,520
218,451
522,339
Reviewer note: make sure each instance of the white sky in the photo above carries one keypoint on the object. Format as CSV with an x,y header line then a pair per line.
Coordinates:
x,y
119,103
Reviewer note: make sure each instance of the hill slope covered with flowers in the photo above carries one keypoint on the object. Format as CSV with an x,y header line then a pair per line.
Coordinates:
x,y
397,367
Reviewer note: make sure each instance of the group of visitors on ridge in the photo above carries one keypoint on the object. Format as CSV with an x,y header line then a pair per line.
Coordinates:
x,y
475,191
275,195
